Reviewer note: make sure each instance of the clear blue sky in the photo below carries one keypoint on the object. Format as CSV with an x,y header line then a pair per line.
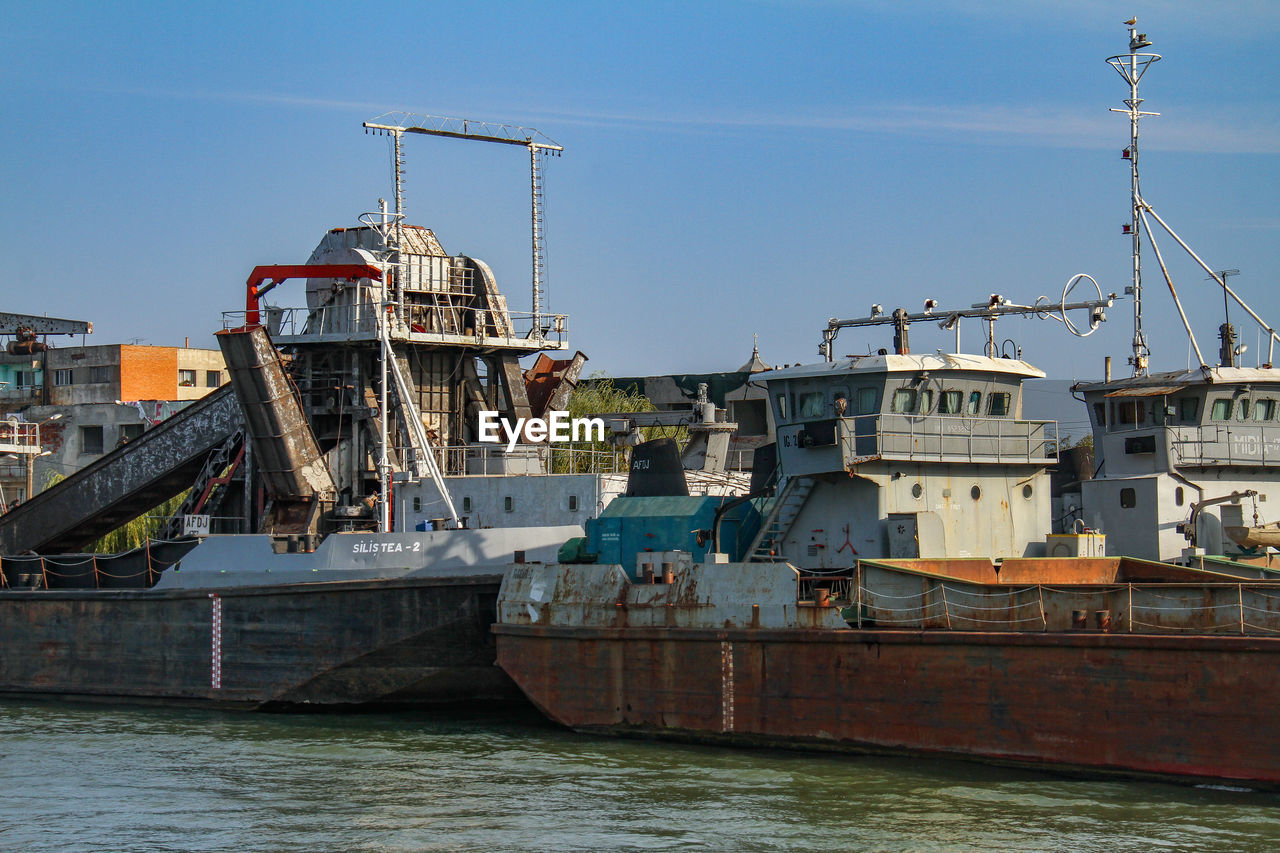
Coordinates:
x,y
729,168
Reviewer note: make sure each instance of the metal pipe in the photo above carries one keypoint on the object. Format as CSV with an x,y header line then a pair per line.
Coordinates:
x,y
1212,274
1169,281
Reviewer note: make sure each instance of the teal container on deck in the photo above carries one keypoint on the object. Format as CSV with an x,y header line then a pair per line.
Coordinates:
x,y
630,526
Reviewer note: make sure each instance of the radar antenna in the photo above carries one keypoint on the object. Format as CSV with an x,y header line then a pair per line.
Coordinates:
x,y
537,144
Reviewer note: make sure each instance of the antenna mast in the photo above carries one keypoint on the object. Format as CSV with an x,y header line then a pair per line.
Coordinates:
x,y
1132,66
537,144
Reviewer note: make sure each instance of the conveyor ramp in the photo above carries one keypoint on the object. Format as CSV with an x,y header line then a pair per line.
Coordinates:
x,y
285,452
149,470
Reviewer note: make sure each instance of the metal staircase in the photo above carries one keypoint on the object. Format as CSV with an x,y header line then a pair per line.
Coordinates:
x,y
786,508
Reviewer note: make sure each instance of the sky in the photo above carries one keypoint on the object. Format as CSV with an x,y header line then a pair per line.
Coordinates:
x,y
730,169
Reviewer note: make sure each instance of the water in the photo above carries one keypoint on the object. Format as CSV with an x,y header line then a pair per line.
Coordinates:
x,y
86,778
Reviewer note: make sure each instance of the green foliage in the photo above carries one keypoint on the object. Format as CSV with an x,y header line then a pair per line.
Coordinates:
x,y
135,533
598,395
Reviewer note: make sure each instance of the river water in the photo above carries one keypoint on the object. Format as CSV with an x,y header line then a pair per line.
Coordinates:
x,y
108,778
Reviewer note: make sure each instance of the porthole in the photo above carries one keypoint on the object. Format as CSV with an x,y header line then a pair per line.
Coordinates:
x,y
917,491
975,493
1026,491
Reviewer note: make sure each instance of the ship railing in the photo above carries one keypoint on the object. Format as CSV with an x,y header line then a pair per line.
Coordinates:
x,y
138,568
528,460
1226,444
440,322
947,438
1167,608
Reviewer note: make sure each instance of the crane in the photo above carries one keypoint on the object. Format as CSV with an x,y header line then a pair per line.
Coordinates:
x,y
537,144
25,328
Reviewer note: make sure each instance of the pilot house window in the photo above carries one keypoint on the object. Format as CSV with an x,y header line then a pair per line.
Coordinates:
x,y
950,402
998,404
811,404
1221,409
904,400
975,403
868,401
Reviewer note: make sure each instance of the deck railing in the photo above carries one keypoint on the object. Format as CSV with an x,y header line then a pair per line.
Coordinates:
x,y
946,439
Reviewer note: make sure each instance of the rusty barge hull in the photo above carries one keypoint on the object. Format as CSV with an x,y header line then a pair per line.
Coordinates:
x,y
409,642
1186,708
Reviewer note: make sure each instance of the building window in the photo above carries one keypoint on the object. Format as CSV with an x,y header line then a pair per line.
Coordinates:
x,y
187,378
99,374
573,503
998,404
509,503
130,432
212,378
24,379
62,377
1128,498
91,439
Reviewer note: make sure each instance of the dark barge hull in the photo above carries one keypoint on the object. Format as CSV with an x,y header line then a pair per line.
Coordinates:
x,y
407,642
1184,708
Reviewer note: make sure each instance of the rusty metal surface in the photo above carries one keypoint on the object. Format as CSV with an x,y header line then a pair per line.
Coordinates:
x,y
702,596
1160,676
123,484
1170,706
399,642
285,452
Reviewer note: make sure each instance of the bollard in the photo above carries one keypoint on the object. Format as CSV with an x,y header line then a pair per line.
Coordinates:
x,y
1102,620
1079,620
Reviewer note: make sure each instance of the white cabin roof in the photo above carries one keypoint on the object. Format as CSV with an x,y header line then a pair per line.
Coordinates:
x,y
1170,382
933,362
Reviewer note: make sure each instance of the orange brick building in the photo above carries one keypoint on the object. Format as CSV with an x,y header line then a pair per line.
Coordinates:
x,y
129,373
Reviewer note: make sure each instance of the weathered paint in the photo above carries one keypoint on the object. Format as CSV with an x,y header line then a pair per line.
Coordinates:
x,y
1190,707
741,652
387,642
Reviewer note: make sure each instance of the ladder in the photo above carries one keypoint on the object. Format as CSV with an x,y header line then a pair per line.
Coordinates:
x,y
785,510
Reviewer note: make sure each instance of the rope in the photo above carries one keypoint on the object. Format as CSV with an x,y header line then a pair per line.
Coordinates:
x,y
988,594
1233,606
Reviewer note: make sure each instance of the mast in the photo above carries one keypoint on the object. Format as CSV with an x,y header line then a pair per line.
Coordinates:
x,y
1132,66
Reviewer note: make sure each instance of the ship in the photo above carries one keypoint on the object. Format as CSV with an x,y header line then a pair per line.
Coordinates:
x,y
901,587
345,526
